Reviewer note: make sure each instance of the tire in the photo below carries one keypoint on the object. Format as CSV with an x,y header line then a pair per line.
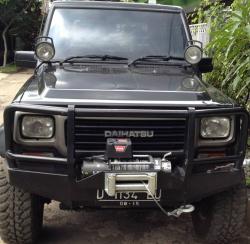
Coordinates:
x,y
21,213
221,218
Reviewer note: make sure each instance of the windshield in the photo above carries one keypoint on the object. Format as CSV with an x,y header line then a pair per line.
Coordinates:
x,y
126,33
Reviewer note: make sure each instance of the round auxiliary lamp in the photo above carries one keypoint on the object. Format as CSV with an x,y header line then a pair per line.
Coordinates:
x,y
194,51
44,48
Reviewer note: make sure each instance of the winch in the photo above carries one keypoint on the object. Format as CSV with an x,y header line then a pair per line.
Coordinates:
x,y
143,163
119,157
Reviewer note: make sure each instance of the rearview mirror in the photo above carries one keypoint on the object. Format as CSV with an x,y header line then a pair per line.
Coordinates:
x,y
205,65
25,59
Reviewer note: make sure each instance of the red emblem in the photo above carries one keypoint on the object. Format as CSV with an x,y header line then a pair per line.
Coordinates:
x,y
120,148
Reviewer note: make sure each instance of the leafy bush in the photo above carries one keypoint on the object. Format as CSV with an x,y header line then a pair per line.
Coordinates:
x,y
19,18
229,46
230,49
247,173
248,182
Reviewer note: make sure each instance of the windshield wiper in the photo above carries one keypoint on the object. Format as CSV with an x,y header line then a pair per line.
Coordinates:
x,y
153,59
97,57
83,59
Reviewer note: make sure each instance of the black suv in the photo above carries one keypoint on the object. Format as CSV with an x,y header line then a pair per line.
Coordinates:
x,y
116,115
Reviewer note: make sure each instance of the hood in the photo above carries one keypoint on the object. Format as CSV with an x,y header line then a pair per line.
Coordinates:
x,y
117,84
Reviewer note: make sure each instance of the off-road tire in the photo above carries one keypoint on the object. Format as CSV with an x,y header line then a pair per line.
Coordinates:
x,y
21,213
221,218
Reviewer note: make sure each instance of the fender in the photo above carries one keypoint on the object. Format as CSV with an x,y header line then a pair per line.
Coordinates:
x,y
2,142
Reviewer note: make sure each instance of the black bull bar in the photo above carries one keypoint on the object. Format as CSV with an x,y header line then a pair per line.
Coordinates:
x,y
65,188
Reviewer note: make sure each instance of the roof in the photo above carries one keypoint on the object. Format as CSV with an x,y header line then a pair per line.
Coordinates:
x,y
119,5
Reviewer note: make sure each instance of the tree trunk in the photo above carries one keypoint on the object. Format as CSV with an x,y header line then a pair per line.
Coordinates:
x,y
5,55
4,33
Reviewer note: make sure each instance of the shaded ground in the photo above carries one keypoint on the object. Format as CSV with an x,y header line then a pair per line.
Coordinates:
x,y
118,226
106,226
114,226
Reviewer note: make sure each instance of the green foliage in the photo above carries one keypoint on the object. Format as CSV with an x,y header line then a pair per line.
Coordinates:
x,y
10,8
9,69
19,18
3,1
229,46
178,2
17,11
172,2
248,182
27,25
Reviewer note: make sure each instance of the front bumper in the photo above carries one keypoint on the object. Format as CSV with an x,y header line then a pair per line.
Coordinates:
x,y
176,188
174,192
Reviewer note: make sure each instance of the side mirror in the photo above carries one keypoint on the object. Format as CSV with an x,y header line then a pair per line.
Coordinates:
x,y
205,65
25,59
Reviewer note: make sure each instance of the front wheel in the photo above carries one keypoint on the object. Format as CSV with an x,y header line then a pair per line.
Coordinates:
x,y
221,218
21,213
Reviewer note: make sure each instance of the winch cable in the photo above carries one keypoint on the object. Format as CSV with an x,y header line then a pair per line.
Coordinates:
x,y
177,212
157,203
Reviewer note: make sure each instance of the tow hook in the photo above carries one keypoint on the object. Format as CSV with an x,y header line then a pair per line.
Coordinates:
x,y
187,208
182,209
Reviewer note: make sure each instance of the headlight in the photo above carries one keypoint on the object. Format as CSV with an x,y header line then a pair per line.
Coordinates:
x,y
215,127
37,127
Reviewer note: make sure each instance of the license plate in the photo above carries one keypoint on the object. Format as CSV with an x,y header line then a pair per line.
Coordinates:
x,y
102,196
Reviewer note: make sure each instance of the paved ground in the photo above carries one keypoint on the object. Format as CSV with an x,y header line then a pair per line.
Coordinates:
x,y
105,226
9,86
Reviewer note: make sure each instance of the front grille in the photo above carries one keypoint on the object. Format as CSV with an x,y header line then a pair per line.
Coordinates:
x,y
169,135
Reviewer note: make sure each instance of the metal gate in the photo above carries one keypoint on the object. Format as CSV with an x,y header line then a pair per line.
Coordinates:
x,y
200,32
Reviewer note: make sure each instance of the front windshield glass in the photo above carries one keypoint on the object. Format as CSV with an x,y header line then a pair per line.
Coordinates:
x,y
127,33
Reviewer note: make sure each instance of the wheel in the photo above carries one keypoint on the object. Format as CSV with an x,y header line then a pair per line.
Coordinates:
x,y
21,213
220,219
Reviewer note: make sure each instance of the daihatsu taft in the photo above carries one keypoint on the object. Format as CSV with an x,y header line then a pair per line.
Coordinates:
x,y
116,115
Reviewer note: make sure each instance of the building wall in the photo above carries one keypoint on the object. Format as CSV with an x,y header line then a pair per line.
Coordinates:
x,y
45,6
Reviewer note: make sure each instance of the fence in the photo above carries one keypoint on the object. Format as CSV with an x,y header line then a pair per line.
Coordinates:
x,y
200,32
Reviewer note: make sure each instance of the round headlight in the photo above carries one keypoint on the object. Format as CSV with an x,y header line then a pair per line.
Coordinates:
x,y
215,127
37,127
193,54
45,51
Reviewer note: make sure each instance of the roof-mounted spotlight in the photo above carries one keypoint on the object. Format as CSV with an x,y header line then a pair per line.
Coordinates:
x,y
44,48
193,53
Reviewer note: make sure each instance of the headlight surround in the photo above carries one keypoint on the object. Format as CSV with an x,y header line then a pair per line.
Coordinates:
x,y
215,127
37,127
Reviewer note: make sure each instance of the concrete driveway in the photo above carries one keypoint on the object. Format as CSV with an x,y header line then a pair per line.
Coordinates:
x,y
106,226
9,86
